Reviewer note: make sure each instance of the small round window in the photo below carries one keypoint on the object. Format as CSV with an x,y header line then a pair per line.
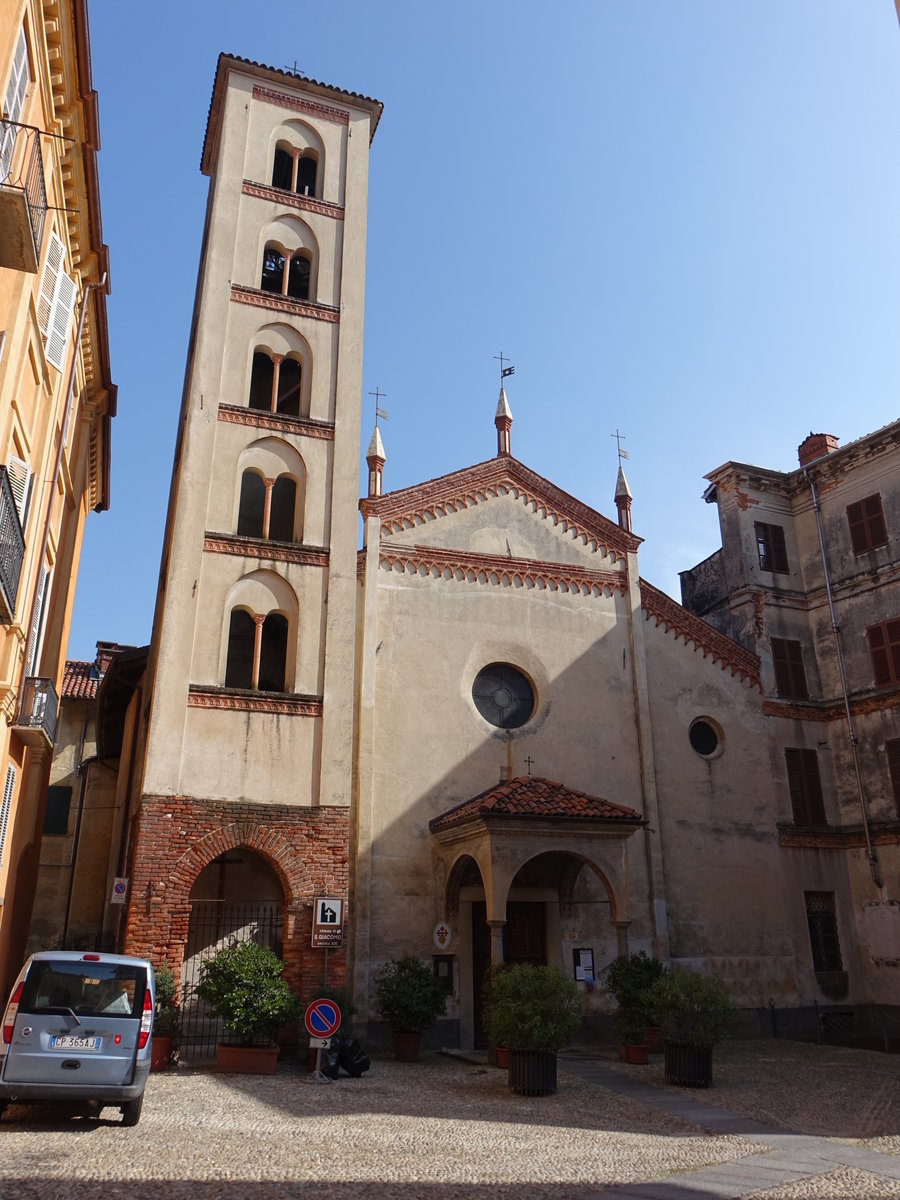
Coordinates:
x,y
503,696
704,737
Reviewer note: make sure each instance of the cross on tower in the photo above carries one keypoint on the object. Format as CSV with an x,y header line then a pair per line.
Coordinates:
x,y
504,371
379,412
620,438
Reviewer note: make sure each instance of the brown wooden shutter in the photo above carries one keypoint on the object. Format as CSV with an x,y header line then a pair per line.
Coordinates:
x,y
805,787
790,677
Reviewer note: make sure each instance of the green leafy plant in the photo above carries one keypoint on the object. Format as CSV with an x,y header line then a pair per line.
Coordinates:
x,y
532,1008
693,1008
630,979
408,994
166,1019
242,984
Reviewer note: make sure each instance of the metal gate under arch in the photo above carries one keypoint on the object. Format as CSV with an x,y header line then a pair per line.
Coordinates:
x,y
213,925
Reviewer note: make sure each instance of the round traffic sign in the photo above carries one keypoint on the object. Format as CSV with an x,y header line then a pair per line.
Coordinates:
x,y
322,1019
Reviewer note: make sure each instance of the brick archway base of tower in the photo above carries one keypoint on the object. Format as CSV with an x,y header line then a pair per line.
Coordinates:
x,y
177,837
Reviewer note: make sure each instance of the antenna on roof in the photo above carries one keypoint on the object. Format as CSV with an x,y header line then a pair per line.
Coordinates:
x,y
379,412
504,371
620,438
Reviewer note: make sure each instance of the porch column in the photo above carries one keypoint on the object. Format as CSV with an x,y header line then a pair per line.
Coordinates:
x,y
496,928
622,938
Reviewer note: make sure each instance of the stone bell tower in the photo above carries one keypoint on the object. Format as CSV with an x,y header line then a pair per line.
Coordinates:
x,y
247,767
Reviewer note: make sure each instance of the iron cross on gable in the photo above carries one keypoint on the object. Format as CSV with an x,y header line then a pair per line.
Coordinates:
x,y
529,763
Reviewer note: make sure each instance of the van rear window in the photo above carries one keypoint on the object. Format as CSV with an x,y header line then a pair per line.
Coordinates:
x,y
88,989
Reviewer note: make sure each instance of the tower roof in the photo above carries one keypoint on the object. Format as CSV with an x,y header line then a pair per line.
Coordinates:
x,y
503,409
376,446
622,488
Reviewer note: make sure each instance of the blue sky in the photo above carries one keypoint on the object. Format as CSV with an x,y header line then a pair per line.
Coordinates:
x,y
678,220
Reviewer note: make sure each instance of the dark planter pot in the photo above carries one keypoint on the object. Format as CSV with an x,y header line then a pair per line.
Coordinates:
x,y
406,1045
653,1035
636,1055
532,1072
246,1060
688,1065
160,1052
501,1057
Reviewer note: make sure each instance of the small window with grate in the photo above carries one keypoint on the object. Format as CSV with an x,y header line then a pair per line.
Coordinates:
x,y
867,526
790,677
823,931
771,548
56,814
805,787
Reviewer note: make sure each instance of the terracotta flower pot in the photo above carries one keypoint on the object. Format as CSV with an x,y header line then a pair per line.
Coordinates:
x,y
501,1057
246,1060
406,1045
160,1052
636,1055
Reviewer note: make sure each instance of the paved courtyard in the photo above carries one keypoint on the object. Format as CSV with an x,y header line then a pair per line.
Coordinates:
x,y
784,1120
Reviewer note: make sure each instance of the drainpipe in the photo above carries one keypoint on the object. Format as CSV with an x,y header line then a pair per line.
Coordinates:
x,y
870,849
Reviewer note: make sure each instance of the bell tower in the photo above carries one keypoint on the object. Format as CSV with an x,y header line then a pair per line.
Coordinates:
x,y
252,659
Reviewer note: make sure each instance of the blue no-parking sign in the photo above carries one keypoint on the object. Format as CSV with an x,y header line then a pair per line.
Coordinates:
x,y
322,1019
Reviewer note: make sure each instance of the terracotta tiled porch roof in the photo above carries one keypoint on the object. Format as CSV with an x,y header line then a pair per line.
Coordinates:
x,y
527,796
80,680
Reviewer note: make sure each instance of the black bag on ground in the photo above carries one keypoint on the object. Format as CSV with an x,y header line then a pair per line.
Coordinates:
x,y
352,1057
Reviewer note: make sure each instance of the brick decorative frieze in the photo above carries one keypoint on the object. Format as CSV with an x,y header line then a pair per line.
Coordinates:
x,y
177,836
501,476
675,619
239,700
293,199
852,838
284,304
296,104
237,414
247,547
497,571
833,710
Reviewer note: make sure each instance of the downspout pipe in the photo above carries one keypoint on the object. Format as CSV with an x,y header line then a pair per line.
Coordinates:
x,y
870,849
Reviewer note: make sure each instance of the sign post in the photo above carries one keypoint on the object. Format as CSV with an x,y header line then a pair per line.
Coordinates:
x,y
322,1019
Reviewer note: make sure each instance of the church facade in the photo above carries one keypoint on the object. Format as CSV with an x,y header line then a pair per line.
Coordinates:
x,y
483,733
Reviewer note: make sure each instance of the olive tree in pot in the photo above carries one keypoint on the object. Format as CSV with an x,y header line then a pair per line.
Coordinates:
x,y
166,1019
629,980
243,985
695,1011
410,998
535,1012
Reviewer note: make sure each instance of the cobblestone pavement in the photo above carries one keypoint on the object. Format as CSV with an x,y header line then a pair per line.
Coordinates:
x,y
451,1128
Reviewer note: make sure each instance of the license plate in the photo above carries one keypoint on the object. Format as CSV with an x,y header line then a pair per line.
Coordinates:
x,y
66,1042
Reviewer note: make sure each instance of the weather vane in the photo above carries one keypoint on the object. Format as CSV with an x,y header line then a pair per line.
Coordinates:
x,y
379,412
504,371
620,438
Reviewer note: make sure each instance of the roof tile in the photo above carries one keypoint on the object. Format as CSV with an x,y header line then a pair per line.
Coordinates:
x,y
528,796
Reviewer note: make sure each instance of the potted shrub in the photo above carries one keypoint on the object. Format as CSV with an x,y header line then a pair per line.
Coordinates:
x,y
695,1011
410,998
629,980
166,1019
243,985
535,1012
499,1053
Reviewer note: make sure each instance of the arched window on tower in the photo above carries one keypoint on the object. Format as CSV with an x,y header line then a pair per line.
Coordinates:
x,y
282,169
276,384
252,505
257,651
286,272
272,279
295,170
298,276
241,644
306,175
267,508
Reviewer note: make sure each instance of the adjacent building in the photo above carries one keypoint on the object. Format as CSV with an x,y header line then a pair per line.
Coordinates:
x,y
56,403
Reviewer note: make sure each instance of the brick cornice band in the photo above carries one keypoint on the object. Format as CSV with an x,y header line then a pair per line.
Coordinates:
x,y
245,547
233,700
285,304
293,199
295,104
237,414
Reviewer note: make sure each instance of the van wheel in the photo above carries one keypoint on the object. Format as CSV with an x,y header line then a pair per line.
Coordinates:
x,y
131,1112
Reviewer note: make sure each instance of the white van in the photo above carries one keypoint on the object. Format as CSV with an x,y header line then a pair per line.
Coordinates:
x,y
78,1027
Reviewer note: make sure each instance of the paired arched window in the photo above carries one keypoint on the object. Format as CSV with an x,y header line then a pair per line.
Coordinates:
x,y
295,170
286,272
267,507
257,651
276,384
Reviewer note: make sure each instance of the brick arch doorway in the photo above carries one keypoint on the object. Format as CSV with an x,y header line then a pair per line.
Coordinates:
x,y
237,897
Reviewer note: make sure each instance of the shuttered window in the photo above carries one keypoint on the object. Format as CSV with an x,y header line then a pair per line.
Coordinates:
x,y
892,751
790,677
805,787
771,548
884,650
867,526
9,786
56,303
37,623
20,481
13,104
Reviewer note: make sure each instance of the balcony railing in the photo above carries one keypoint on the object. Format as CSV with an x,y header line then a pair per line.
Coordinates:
x,y
23,198
12,549
36,719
